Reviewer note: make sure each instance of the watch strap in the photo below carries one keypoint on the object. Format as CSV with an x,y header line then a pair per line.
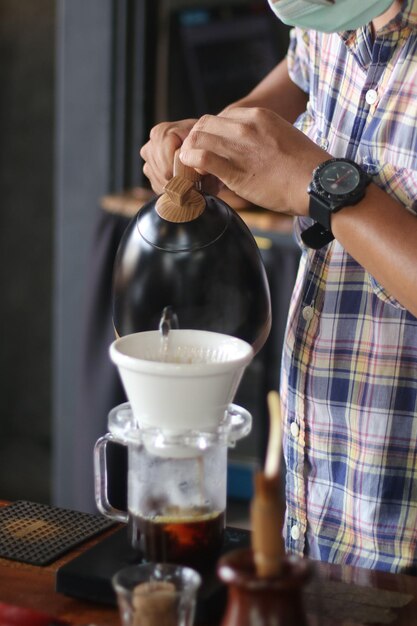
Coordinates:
x,y
320,210
320,233
316,236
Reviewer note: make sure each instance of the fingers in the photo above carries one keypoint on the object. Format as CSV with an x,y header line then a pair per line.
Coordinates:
x,y
158,152
212,145
215,146
206,161
159,159
240,147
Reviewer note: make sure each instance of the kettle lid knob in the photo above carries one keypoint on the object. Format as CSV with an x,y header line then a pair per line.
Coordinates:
x,y
182,200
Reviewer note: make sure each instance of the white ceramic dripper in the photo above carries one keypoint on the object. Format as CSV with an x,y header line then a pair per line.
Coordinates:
x,y
183,382
177,426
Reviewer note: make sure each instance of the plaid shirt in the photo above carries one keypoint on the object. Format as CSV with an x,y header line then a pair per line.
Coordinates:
x,y
349,380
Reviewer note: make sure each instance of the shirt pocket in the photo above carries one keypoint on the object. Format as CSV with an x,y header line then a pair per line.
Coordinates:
x,y
401,184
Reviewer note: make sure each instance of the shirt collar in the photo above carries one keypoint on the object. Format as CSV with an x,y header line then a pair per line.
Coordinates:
x,y
406,18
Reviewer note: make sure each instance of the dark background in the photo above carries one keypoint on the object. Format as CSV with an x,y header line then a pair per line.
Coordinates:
x,y
81,83
27,39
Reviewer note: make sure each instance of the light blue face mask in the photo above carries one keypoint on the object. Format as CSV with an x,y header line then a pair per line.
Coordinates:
x,y
328,16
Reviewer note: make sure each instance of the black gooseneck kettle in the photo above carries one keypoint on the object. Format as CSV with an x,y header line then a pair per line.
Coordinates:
x,y
192,253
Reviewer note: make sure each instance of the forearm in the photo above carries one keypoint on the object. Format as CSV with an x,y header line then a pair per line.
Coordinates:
x,y
381,235
278,93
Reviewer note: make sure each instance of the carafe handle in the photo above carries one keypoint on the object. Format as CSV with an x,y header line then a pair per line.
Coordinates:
x,y
101,481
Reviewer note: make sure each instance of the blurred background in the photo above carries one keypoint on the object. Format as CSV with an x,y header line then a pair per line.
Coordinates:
x,y
27,111
81,84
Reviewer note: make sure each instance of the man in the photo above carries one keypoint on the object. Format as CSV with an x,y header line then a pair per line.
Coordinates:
x,y
349,380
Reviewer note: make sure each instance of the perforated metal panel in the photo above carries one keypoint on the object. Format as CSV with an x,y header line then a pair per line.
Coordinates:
x,y
38,534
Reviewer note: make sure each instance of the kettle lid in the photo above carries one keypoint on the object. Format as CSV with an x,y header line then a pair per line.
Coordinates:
x,y
184,236
182,218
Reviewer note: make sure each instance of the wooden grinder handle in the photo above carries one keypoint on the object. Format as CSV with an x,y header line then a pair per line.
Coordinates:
x,y
182,200
267,506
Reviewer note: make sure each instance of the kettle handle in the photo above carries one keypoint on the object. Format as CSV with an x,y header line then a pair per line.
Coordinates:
x,y
182,201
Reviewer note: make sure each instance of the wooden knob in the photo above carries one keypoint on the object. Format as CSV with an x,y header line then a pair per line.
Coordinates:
x,y
178,189
184,171
181,201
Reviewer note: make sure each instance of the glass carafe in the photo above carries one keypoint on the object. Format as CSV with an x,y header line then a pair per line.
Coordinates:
x,y
176,486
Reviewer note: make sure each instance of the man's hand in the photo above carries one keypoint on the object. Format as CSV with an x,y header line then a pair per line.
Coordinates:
x,y
158,152
256,154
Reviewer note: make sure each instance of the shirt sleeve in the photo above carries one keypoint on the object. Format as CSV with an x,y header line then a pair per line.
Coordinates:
x,y
298,58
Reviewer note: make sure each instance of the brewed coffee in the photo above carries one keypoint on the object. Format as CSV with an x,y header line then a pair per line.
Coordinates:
x,y
192,538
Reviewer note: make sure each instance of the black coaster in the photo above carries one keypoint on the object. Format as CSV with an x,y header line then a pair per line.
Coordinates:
x,y
39,534
89,575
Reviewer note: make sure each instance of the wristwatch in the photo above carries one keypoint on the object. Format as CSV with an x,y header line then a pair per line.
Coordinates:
x,y
336,183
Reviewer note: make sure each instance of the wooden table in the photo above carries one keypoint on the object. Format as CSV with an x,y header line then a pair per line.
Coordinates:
x,y
130,201
34,587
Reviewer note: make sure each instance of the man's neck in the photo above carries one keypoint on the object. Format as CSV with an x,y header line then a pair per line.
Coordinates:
x,y
386,17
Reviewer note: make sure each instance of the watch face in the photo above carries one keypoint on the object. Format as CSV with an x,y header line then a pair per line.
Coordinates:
x,y
339,177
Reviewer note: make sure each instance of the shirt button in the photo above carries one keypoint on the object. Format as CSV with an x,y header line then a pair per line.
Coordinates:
x,y
324,143
308,313
371,96
295,532
295,431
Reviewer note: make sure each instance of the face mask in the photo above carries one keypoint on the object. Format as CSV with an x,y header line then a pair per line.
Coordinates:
x,y
328,16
